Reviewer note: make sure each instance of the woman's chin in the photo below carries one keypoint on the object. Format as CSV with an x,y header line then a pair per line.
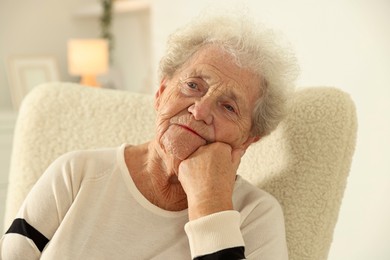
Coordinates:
x,y
181,144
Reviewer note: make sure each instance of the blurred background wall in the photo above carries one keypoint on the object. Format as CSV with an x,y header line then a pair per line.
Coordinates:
x,y
343,43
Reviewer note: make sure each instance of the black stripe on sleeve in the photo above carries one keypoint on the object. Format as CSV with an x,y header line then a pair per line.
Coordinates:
x,y
20,226
234,253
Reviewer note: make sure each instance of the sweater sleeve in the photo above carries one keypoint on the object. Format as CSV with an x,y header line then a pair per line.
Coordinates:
x,y
256,227
215,236
42,211
263,230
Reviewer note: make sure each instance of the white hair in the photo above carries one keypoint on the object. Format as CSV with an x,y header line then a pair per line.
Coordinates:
x,y
253,47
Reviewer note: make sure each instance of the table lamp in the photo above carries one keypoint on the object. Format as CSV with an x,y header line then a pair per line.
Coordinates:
x,y
88,58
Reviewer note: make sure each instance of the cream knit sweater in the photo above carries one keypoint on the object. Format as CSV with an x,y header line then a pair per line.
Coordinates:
x,y
86,206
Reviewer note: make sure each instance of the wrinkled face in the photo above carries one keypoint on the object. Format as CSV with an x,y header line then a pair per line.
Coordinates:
x,y
208,99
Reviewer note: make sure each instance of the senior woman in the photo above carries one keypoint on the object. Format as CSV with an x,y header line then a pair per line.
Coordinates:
x,y
223,87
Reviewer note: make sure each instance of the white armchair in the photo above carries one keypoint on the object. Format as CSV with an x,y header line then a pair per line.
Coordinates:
x,y
304,163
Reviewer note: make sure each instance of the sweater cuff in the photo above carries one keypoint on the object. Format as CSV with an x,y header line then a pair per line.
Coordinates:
x,y
214,232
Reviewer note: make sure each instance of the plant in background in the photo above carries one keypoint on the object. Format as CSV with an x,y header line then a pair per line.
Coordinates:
x,y
105,25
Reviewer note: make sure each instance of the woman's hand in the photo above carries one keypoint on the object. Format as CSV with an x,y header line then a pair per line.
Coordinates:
x,y
207,176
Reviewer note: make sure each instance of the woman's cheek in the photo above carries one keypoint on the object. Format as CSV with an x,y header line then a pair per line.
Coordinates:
x,y
161,127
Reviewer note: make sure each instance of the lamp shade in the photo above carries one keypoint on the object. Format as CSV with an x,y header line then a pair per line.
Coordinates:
x,y
87,56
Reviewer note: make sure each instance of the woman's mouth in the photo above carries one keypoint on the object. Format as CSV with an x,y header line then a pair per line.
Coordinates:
x,y
192,131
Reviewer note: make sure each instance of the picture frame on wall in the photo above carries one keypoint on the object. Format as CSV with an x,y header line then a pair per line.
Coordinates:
x,y
26,72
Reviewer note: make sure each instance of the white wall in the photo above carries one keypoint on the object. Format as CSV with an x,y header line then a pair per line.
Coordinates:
x,y
342,43
40,27
132,59
36,28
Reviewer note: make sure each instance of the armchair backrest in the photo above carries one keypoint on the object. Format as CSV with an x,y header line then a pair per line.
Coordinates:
x,y
304,163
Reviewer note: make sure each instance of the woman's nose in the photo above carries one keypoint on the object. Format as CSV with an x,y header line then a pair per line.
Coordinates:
x,y
201,110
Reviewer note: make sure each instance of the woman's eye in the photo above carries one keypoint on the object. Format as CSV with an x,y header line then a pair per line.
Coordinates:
x,y
230,108
192,85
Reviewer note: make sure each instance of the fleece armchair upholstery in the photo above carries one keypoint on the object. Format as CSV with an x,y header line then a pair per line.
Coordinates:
x,y
304,163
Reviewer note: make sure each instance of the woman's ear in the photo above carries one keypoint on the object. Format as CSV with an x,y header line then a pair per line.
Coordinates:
x,y
157,96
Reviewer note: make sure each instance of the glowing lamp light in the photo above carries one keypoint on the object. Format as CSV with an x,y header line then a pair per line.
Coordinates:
x,y
88,58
